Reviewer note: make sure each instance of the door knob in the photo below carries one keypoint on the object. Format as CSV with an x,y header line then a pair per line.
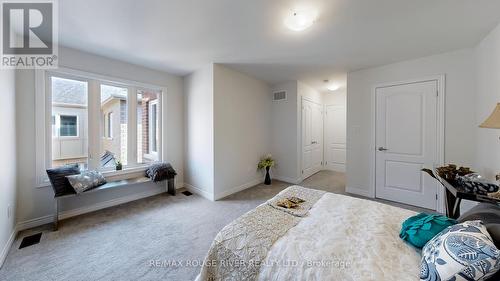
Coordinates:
x,y
382,149
314,142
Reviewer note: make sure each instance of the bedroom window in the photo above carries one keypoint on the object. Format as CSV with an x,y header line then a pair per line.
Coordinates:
x,y
95,121
114,107
68,113
147,126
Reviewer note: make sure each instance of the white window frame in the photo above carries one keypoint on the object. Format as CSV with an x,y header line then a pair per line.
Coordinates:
x,y
153,154
43,112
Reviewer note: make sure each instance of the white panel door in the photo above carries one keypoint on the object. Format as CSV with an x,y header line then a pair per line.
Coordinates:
x,y
406,141
335,137
312,136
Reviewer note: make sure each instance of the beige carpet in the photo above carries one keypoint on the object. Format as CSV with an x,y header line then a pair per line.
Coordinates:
x,y
122,242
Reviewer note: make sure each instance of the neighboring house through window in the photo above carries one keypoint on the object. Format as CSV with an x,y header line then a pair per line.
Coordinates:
x,y
109,131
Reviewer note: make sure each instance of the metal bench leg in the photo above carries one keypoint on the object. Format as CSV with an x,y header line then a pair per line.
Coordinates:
x,y
171,186
56,215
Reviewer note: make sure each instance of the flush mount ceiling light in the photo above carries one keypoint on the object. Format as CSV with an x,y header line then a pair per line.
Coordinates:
x,y
299,20
333,87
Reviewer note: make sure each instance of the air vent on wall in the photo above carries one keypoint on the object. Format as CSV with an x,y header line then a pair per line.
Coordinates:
x,y
279,96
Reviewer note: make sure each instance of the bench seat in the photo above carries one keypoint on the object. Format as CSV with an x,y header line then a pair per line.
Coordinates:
x,y
170,188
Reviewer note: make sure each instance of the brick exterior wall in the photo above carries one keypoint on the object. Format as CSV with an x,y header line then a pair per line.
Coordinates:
x,y
146,98
145,125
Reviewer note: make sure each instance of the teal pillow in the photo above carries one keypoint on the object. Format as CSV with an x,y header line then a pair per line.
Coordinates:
x,y
419,229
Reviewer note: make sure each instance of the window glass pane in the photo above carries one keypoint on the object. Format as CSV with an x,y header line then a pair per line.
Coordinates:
x,y
147,126
114,123
69,122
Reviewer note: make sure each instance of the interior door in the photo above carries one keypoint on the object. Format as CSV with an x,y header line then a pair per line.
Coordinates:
x,y
335,137
406,141
312,136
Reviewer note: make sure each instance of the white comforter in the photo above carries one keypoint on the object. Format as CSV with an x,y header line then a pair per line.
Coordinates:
x,y
344,238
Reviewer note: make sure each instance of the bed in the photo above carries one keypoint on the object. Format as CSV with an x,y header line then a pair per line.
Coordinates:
x,y
332,237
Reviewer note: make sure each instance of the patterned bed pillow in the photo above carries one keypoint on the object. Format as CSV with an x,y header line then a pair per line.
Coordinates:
x,y
463,251
86,180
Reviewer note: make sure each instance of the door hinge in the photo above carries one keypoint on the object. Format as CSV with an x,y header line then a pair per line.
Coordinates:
x,y
302,171
321,162
326,162
436,197
437,93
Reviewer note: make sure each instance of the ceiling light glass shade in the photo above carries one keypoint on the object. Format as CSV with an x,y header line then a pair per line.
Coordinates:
x,y
493,121
333,88
299,20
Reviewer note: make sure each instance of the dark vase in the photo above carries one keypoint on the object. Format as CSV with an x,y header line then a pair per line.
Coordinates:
x,y
267,181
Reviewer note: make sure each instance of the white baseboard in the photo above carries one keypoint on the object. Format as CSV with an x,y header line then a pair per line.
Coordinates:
x,y
238,188
199,191
359,191
87,209
287,179
6,248
27,224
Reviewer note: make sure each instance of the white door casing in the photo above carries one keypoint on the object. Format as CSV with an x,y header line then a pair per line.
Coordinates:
x,y
335,137
406,140
312,138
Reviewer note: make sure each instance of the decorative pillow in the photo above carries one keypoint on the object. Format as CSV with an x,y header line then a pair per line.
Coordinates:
x,y
463,251
86,180
160,172
60,183
419,229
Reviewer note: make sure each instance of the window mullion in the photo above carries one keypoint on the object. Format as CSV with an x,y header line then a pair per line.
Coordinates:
x,y
132,126
94,113
161,105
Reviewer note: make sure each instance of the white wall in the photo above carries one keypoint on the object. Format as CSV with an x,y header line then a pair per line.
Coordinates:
x,y
284,138
35,205
338,97
305,91
242,129
199,132
458,66
487,96
7,161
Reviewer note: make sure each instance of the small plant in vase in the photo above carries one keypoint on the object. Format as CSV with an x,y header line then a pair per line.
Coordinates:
x,y
266,162
118,164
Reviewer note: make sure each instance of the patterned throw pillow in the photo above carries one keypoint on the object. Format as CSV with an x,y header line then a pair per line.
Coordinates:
x,y
86,180
463,251
58,180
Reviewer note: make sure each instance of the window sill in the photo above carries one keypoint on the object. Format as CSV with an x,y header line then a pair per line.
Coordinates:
x,y
125,171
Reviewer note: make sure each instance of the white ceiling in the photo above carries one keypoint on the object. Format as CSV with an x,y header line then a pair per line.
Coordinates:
x,y
180,36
